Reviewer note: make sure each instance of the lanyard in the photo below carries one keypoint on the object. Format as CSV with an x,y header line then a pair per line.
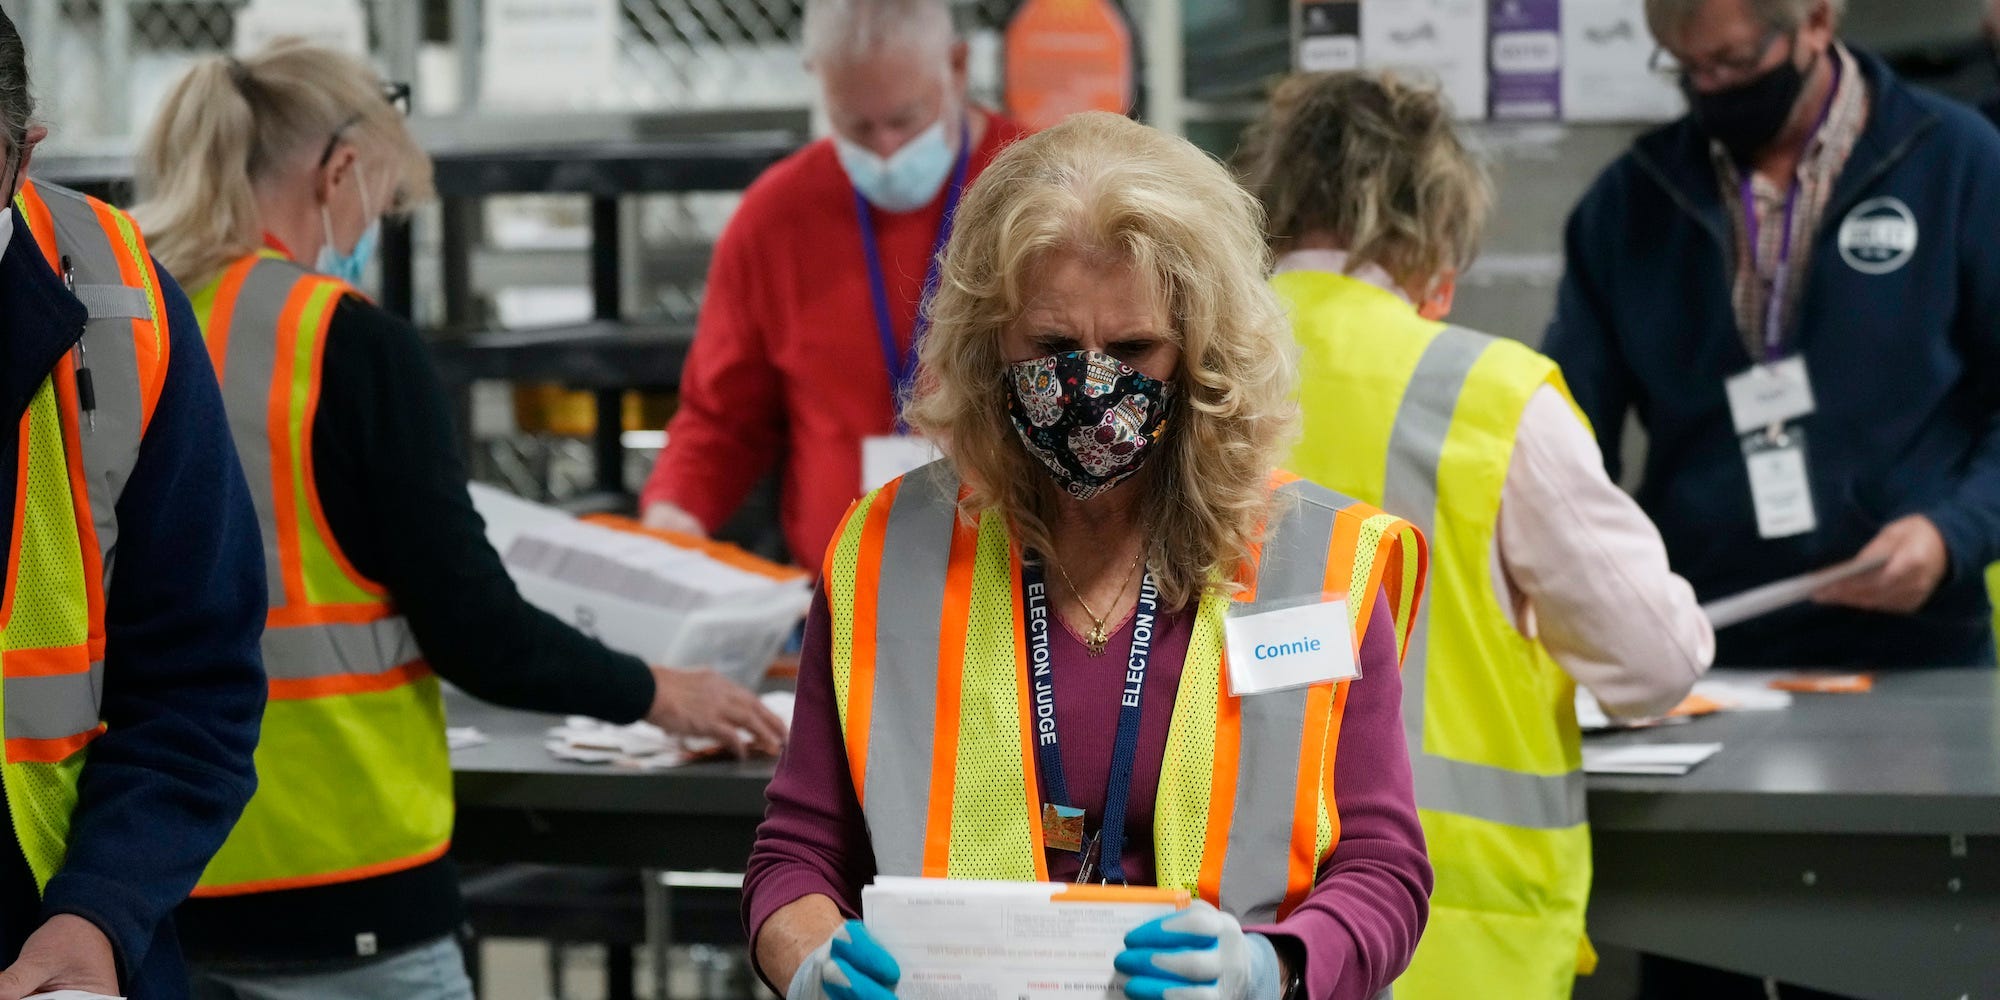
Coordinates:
x,y
1781,282
902,365
1048,742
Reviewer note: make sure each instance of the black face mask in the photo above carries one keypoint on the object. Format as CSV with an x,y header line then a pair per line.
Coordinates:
x,y
1745,118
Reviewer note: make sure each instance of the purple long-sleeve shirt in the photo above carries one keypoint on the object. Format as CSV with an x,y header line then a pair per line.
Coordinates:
x,y
1358,927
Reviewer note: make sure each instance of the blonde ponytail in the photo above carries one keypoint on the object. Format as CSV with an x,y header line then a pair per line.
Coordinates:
x,y
228,127
200,211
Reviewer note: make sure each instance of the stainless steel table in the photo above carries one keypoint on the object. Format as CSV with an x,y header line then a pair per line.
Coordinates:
x,y
1850,844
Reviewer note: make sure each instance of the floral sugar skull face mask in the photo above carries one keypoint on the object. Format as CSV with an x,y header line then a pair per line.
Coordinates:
x,y
1090,418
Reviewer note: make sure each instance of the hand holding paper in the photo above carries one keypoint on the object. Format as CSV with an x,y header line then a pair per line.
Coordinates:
x,y
1199,953
1913,560
66,953
1760,601
850,966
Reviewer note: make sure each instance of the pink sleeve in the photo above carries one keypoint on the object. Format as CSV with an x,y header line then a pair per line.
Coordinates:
x,y
1594,571
814,839
1359,926
729,426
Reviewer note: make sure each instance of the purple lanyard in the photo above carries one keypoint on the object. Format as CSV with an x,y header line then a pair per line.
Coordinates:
x,y
902,365
1781,282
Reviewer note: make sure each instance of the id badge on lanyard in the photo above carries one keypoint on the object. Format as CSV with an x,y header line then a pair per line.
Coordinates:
x,y
1100,855
1767,403
1780,489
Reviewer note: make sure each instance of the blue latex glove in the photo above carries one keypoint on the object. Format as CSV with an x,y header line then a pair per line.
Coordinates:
x,y
1199,953
851,965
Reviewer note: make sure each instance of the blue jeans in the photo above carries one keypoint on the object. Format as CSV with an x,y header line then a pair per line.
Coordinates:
x,y
434,971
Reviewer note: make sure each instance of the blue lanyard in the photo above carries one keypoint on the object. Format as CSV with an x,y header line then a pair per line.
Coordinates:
x,y
1048,741
902,365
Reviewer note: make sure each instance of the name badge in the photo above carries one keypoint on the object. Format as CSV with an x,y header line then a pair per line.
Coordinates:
x,y
1289,648
1779,487
888,456
1770,395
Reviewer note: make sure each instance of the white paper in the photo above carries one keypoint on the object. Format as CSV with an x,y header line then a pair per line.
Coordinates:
x,y
72,995
968,940
889,456
548,53
1744,695
464,737
584,740
1768,395
1606,48
1444,39
1671,759
1760,601
665,603
1780,490
1289,648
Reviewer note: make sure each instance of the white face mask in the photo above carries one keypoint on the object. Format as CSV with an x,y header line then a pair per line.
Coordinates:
x,y
907,179
6,228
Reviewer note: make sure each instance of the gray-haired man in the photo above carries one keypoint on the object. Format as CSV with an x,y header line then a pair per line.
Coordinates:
x,y
1795,289
808,327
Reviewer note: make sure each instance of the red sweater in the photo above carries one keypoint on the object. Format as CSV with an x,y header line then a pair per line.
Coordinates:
x,y
787,362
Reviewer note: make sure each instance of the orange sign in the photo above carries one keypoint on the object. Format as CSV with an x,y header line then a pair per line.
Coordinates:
x,y
1066,56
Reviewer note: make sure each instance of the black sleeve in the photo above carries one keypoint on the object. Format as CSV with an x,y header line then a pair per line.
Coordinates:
x,y
393,488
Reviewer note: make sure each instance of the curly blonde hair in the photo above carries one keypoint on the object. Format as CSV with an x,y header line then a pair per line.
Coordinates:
x,y
1372,161
1109,188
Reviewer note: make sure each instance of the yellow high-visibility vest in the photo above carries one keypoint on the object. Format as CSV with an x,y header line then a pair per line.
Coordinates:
x,y
930,678
1420,418
354,779
69,475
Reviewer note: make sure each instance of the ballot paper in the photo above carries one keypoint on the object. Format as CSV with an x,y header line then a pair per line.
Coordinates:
x,y
1666,759
464,737
969,940
666,599
1760,601
642,745
1748,693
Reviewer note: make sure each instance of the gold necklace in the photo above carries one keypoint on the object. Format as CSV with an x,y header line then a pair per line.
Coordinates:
x,y
1099,632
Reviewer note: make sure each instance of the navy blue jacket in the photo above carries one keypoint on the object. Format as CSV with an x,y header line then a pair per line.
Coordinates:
x,y
1905,367
183,681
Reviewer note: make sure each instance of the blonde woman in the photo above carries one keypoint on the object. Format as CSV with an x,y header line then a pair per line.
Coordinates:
x,y
1545,574
1015,667
335,882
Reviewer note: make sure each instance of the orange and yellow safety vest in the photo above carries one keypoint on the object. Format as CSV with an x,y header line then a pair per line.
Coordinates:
x,y
69,474
354,779
930,676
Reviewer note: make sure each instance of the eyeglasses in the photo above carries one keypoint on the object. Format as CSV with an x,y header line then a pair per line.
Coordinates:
x,y
1728,70
395,92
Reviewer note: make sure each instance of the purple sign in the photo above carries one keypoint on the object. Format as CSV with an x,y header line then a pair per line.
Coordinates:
x,y
1526,60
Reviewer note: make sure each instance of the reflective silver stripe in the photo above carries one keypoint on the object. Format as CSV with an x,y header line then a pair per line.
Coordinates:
x,y
249,366
110,437
1497,795
1292,570
309,652
1410,490
50,708
114,301
916,553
